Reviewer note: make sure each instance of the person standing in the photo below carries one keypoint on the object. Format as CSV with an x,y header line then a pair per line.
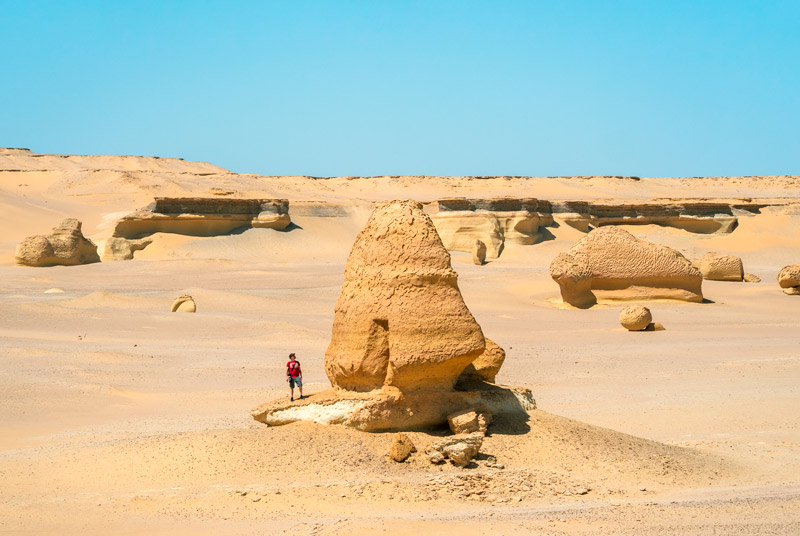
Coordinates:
x,y
294,375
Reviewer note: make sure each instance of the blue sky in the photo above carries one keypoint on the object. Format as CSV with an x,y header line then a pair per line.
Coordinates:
x,y
553,87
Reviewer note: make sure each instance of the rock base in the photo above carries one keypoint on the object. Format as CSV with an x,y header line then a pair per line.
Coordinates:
x,y
390,409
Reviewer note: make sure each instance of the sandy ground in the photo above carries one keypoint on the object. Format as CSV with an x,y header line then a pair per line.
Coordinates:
x,y
121,417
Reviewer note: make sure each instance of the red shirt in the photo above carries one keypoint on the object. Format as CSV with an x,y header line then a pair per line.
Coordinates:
x,y
293,368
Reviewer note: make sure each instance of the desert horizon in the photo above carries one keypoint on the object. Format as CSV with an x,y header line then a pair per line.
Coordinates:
x,y
124,417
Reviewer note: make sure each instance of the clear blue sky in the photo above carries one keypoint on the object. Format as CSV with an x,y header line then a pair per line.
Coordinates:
x,y
552,87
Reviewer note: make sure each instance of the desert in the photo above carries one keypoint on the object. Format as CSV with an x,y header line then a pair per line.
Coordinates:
x,y
121,415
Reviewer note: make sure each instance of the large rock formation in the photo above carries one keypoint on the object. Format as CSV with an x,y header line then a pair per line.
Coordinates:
x,y
193,216
400,319
718,267
65,246
612,262
401,337
494,222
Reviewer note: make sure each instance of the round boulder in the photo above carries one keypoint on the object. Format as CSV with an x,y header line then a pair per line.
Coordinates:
x,y
635,317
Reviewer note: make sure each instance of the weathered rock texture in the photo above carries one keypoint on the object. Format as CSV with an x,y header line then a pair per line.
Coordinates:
x,y
620,266
402,447
718,267
390,409
460,449
478,253
184,304
400,320
486,366
752,278
494,222
193,216
635,317
789,276
65,246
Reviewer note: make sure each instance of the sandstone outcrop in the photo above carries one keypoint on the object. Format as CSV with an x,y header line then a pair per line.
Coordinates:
x,y
401,337
468,421
184,304
459,449
193,216
635,317
614,263
717,267
479,253
494,222
400,319
65,246
402,447
486,366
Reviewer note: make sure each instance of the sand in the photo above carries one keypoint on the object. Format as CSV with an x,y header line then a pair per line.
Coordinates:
x,y
121,417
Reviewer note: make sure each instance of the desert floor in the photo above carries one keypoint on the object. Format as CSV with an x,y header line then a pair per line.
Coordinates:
x,y
119,417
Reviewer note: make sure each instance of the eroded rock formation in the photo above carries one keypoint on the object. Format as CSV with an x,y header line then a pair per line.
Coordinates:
x,y
612,262
193,216
65,246
401,337
717,267
478,253
486,366
400,319
184,304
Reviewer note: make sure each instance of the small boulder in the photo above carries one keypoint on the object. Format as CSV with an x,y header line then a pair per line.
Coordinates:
x,y
479,253
184,304
789,276
460,449
401,448
635,317
717,267
468,421
751,278
792,291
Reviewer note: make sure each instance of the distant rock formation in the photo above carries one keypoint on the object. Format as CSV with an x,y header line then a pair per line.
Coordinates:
x,y
789,279
65,246
184,304
635,318
718,267
401,337
479,253
193,216
494,222
621,266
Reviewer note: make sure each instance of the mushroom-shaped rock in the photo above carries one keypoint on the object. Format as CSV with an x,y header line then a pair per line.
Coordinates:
x,y
400,319
65,246
789,276
612,262
718,267
479,253
184,304
486,366
635,317
401,448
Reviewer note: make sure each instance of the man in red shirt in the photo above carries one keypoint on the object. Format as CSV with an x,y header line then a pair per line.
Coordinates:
x,y
294,375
